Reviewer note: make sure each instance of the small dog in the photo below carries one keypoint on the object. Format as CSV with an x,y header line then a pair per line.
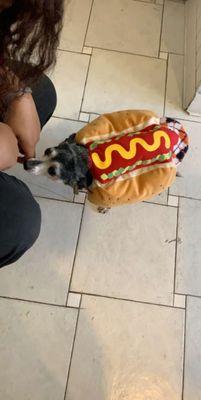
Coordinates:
x,y
67,162
119,158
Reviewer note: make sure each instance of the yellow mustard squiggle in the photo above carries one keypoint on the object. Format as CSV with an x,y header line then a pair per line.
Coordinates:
x,y
128,154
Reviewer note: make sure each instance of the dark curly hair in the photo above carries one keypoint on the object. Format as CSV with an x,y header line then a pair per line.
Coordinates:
x,y
29,37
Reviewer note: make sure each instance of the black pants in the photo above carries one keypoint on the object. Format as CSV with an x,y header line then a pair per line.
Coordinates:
x,y
20,216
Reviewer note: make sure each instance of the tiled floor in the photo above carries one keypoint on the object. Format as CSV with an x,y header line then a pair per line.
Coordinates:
x,y
108,307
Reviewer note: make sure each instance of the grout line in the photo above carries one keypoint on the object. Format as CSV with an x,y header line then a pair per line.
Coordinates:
x,y
129,53
53,199
184,349
161,30
189,295
74,52
166,81
185,197
188,120
146,202
179,118
172,52
90,12
119,51
68,119
127,300
72,350
33,301
176,246
92,112
87,74
95,113
75,254
94,295
158,204
146,2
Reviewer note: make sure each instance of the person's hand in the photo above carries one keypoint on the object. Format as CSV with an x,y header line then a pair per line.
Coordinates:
x,y
23,119
9,150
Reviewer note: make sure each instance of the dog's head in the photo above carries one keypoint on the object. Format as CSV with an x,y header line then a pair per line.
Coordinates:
x,y
67,162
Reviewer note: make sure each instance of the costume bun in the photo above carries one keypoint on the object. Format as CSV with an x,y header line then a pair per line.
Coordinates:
x,y
133,155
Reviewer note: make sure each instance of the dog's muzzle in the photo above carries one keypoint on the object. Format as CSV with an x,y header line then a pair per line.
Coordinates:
x,y
31,164
34,166
43,167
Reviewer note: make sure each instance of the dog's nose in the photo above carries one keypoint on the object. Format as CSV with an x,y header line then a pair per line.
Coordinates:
x,y
26,166
52,171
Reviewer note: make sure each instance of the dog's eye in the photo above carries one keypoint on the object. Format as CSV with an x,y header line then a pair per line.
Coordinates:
x,y
47,152
52,171
51,151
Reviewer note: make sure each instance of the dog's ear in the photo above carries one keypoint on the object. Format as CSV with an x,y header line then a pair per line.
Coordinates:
x,y
71,138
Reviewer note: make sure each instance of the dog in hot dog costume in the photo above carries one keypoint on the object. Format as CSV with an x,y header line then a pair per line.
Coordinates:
x,y
122,157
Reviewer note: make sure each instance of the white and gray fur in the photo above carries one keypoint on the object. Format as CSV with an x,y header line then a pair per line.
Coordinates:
x,y
67,162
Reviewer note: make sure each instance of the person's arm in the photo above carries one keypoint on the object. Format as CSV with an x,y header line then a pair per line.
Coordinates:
x,y
22,117
8,147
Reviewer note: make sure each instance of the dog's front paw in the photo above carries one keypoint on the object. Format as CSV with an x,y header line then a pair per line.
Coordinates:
x,y
102,210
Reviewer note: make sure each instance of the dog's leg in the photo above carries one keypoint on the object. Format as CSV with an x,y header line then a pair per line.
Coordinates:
x,y
102,210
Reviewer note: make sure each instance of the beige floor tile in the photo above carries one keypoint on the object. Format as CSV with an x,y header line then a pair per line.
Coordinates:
x,y
54,133
84,117
163,55
87,50
129,81
174,95
190,169
188,277
130,253
129,26
80,198
93,117
192,382
75,24
35,348
179,300
42,186
127,351
173,27
173,201
74,300
161,198
43,274
69,78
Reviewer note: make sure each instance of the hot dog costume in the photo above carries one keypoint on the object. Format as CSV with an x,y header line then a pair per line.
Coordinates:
x,y
133,155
